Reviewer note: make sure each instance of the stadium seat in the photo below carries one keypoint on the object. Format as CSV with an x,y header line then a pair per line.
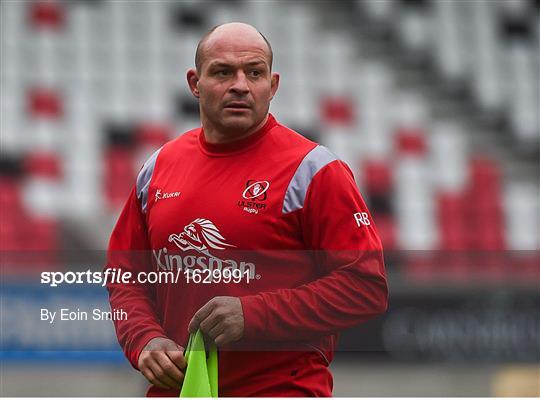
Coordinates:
x,y
377,177
449,156
411,142
120,175
44,103
452,221
522,217
414,205
47,14
153,134
45,165
338,110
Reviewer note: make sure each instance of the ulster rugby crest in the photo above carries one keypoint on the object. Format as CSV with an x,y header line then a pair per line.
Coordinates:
x,y
254,196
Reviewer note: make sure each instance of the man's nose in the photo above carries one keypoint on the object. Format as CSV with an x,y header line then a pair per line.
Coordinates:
x,y
240,84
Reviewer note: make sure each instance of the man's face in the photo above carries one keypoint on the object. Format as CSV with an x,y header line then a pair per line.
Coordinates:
x,y
235,85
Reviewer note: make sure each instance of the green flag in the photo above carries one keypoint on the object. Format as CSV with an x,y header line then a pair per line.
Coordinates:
x,y
201,377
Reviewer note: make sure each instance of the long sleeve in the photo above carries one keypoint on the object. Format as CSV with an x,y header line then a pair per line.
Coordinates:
x,y
129,250
337,226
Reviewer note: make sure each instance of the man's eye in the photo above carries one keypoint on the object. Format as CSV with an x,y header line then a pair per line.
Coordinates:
x,y
255,73
222,73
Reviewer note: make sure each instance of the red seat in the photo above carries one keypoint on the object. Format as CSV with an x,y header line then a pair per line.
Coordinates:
x,y
47,14
8,233
44,165
452,221
338,110
484,206
452,259
45,103
41,238
485,221
485,172
411,141
11,214
119,176
42,234
153,134
387,229
10,197
377,177
26,241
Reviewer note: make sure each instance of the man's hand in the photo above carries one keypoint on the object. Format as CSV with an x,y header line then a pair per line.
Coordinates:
x,y
161,362
221,319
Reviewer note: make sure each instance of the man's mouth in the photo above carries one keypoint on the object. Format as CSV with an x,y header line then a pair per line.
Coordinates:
x,y
237,105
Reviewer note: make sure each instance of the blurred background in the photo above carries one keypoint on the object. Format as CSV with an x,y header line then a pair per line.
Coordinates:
x,y
434,105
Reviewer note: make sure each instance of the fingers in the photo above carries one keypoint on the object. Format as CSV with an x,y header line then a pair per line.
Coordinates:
x,y
169,369
161,363
200,316
177,357
210,322
161,371
221,339
220,316
149,375
217,330
210,334
161,377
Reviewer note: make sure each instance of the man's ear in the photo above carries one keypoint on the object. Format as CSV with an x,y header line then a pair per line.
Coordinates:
x,y
274,84
192,80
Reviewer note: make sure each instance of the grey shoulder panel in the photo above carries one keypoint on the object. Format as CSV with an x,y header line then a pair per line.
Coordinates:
x,y
312,163
144,178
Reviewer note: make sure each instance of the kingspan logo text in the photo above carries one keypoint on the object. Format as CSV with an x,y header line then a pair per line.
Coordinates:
x,y
170,262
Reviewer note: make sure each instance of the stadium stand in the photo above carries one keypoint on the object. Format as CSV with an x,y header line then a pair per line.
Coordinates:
x,y
433,104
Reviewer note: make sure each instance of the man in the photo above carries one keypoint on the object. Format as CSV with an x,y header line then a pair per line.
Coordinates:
x,y
244,193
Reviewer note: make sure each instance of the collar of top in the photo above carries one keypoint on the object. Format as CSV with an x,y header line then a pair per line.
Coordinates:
x,y
237,146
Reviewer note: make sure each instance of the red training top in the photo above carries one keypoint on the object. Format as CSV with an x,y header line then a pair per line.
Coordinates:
x,y
285,214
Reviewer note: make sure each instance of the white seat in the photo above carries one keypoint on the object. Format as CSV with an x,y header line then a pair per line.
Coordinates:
x,y
448,156
513,8
43,197
524,91
410,109
450,56
487,63
44,135
11,140
522,216
378,10
414,204
340,140
414,29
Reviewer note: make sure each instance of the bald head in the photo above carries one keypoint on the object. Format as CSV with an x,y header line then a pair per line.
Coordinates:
x,y
231,32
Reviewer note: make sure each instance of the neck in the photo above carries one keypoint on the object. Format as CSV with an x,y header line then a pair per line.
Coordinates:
x,y
214,135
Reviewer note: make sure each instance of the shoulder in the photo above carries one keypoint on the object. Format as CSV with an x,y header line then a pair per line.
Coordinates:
x,y
168,151
286,138
184,142
311,159
319,158
310,155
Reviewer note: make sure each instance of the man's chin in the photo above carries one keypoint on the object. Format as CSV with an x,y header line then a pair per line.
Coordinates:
x,y
234,121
